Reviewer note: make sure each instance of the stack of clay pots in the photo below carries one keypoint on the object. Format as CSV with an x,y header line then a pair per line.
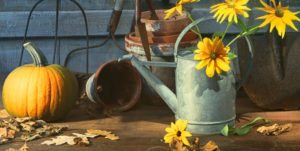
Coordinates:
x,y
162,35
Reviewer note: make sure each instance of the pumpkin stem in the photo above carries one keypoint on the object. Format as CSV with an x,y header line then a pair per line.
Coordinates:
x,y
36,54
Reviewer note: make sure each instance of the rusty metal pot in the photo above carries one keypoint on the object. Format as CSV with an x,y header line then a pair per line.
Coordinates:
x,y
275,79
116,85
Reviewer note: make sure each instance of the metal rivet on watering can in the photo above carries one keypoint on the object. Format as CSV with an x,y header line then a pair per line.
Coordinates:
x,y
116,85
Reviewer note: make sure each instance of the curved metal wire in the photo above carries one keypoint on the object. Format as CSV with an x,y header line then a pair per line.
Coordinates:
x,y
26,29
87,33
56,31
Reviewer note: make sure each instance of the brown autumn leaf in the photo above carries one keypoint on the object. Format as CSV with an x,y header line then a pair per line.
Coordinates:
x,y
82,141
274,129
195,145
23,148
86,135
60,140
112,137
211,146
4,114
177,145
7,133
106,134
98,132
77,139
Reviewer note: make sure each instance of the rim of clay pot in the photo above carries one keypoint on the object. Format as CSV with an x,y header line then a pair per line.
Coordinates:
x,y
163,49
172,19
164,39
130,74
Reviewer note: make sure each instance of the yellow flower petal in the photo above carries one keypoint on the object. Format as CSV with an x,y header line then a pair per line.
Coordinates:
x,y
169,137
186,134
222,65
186,142
230,9
181,124
202,64
170,130
278,20
210,69
170,12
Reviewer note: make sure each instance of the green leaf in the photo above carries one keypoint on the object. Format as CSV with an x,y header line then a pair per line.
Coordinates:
x,y
242,25
218,34
251,30
231,56
190,49
245,129
256,121
225,130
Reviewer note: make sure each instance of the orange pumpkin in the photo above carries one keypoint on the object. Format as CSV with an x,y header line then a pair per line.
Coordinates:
x,y
39,90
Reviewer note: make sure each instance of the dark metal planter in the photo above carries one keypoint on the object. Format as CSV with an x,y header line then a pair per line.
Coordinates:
x,y
275,79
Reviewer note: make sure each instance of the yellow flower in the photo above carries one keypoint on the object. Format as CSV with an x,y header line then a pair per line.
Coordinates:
x,y
214,55
178,8
230,9
278,17
178,132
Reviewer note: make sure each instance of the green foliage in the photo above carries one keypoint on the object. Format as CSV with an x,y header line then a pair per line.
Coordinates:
x,y
245,129
218,34
231,56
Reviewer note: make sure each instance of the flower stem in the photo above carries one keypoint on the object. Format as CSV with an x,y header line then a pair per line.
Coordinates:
x,y
197,28
245,33
226,30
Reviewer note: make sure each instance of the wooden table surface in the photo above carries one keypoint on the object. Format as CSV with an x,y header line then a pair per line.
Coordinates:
x,y
142,129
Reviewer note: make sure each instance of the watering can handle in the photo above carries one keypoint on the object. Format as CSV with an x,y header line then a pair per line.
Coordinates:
x,y
248,40
186,30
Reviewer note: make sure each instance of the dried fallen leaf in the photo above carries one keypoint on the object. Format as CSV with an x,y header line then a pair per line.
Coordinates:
x,y
60,140
7,133
30,137
3,141
106,134
22,120
274,129
86,135
4,114
82,141
23,148
98,132
177,145
211,146
112,137
195,146
78,139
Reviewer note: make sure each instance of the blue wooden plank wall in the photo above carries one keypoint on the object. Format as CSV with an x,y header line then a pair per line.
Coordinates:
x,y
13,15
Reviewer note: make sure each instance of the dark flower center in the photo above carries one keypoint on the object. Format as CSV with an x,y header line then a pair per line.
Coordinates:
x,y
279,13
213,55
178,133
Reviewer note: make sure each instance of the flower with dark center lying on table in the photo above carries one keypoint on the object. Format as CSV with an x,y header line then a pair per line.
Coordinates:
x,y
178,131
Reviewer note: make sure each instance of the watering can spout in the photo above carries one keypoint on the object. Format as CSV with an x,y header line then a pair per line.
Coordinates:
x,y
163,91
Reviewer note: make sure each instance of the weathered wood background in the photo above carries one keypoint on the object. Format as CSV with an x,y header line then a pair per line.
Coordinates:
x,y
13,15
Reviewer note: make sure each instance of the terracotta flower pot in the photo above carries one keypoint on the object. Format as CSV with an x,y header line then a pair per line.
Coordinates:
x,y
120,85
164,39
160,52
162,27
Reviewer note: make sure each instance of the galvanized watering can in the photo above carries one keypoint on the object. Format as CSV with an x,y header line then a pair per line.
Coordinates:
x,y
207,103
